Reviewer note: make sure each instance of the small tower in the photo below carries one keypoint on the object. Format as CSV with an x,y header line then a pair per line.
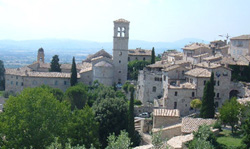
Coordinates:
x,y
120,50
40,55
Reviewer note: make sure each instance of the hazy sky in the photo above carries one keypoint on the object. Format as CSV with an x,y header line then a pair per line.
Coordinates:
x,y
150,20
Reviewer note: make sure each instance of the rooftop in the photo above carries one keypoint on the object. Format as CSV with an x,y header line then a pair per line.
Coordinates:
x,y
139,51
167,112
185,85
121,20
171,67
208,65
98,54
199,72
242,37
195,46
192,124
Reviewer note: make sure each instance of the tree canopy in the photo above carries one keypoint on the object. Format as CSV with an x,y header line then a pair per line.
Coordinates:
x,y
134,67
32,118
2,79
54,64
208,106
73,78
196,104
229,113
77,96
111,113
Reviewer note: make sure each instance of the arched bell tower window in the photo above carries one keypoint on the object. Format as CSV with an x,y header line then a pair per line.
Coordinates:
x,y
121,31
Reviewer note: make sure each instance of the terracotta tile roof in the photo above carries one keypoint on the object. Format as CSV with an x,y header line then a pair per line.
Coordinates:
x,y
228,60
208,65
218,57
199,72
97,54
185,85
121,20
195,46
192,124
26,72
167,112
171,67
139,51
201,55
246,37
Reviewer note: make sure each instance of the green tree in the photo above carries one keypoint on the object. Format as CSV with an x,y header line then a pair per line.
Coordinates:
x,y
2,79
58,94
134,67
32,119
246,134
111,113
77,96
157,140
208,107
203,139
83,128
54,64
196,104
120,142
131,120
73,78
153,56
230,112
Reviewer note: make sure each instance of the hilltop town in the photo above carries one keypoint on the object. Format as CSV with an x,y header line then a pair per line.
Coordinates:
x,y
165,88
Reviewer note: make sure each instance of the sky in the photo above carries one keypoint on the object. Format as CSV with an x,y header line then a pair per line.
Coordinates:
x,y
150,20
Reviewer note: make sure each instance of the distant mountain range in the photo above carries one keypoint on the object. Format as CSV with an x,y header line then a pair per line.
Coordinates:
x,y
86,47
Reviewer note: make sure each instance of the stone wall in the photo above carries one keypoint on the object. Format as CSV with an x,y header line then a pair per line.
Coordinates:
x,y
169,132
164,121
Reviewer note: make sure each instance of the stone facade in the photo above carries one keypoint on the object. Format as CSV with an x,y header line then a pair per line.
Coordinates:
x,y
100,66
139,54
240,46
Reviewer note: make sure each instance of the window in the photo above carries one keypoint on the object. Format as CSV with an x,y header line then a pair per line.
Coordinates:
x,y
16,83
22,84
192,94
154,89
119,61
175,105
164,78
65,82
175,93
11,82
218,95
128,58
56,82
183,72
119,81
144,58
16,77
136,58
205,82
120,71
218,83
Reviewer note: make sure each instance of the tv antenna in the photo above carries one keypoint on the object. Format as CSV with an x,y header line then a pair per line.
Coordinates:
x,y
226,36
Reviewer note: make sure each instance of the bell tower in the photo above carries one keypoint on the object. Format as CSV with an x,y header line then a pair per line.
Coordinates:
x,y
40,55
120,50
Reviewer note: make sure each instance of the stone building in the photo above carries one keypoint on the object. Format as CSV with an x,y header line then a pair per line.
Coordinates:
x,y
240,45
172,55
139,54
100,66
195,49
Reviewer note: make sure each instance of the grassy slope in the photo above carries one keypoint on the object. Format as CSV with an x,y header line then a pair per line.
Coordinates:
x,y
226,138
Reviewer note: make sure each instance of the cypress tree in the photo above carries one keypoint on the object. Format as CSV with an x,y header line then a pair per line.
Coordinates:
x,y
54,64
73,78
208,107
131,124
2,72
153,56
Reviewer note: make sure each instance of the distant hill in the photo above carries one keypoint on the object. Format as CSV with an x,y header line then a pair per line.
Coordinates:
x,y
83,46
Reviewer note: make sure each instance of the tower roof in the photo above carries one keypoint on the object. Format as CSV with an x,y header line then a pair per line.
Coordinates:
x,y
121,21
40,50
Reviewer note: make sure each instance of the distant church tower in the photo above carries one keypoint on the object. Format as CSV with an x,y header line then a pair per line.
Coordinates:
x,y
40,55
120,50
